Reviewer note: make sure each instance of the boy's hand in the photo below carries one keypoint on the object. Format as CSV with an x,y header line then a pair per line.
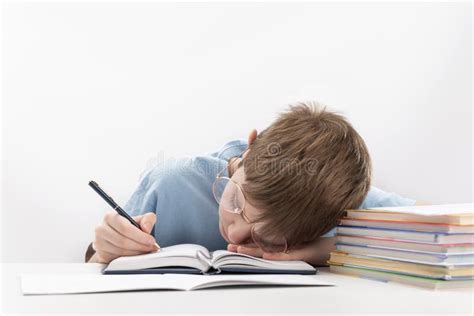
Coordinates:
x,y
117,237
315,253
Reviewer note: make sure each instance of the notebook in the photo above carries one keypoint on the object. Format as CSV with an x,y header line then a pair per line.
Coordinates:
x,y
81,283
196,259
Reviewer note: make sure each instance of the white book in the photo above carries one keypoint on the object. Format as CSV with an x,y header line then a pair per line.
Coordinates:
x,y
43,284
190,258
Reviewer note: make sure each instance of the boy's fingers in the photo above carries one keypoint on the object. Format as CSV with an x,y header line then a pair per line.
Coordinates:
x,y
146,221
105,257
297,254
119,240
255,252
124,227
277,256
108,247
232,247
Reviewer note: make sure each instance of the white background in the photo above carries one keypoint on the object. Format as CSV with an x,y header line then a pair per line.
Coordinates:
x,y
99,91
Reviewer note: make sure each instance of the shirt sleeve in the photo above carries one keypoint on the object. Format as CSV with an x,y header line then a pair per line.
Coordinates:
x,y
179,191
230,149
144,198
379,198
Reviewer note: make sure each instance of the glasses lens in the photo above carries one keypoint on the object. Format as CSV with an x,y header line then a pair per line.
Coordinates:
x,y
267,243
229,195
219,187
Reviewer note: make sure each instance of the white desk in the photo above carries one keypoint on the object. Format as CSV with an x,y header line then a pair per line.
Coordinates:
x,y
350,295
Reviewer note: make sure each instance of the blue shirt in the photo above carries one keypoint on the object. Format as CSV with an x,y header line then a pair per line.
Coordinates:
x,y
180,193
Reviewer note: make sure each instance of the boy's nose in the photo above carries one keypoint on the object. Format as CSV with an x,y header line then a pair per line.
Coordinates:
x,y
238,235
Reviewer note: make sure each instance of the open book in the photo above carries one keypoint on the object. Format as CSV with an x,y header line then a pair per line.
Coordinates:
x,y
79,283
195,259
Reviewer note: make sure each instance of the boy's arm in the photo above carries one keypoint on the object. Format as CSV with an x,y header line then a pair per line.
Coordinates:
x,y
315,253
380,198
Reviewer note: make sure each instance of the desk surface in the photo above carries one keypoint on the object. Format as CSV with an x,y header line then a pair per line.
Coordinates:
x,y
350,295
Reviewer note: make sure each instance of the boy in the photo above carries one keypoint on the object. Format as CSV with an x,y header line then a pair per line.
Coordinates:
x,y
277,196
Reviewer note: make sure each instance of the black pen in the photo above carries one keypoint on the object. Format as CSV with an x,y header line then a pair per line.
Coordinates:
x,y
114,205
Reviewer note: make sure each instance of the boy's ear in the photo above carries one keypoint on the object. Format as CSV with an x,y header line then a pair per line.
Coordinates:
x,y
252,136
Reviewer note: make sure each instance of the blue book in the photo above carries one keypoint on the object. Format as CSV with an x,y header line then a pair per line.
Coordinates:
x,y
408,235
196,259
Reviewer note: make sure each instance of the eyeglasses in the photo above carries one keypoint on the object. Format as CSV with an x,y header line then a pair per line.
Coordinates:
x,y
231,198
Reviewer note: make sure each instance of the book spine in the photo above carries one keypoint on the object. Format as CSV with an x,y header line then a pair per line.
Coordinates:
x,y
207,261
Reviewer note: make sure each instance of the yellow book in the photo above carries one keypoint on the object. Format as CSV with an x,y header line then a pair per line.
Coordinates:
x,y
401,278
415,269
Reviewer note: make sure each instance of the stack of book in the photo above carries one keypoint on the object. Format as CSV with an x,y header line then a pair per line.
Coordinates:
x,y
428,245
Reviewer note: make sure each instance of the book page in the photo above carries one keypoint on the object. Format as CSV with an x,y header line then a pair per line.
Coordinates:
x,y
428,210
222,258
166,254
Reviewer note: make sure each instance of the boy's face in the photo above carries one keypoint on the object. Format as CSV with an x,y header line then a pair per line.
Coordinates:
x,y
233,227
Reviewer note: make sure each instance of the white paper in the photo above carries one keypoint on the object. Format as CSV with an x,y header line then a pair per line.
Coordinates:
x,y
430,210
41,284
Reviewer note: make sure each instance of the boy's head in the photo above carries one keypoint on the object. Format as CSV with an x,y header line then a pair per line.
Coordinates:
x,y
298,176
